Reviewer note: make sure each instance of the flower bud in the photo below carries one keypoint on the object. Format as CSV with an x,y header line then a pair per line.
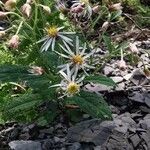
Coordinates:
x,y
77,9
115,7
36,70
14,42
10,4
105,26
61,7
133,48
122,65
26,9
46,9
29,1
96,9
2,33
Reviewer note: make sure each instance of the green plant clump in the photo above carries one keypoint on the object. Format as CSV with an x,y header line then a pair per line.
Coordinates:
x,y
49,58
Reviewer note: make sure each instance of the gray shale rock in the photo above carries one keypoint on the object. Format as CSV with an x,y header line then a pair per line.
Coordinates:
x,y
94,131
25,145
75,146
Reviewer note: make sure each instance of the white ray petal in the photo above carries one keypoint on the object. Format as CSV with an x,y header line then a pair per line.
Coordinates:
x,y
68,52
89,66
65,56
65,38
60,28
83,51
64,75
43,39
69,49
48,44
75,73
88,55
77,45
80,79
56,85
53,43
70,43
67,32
43,47
68,72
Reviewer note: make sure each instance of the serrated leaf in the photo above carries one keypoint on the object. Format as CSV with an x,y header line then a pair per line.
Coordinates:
x,y
100,79
13,73
23,102
92,104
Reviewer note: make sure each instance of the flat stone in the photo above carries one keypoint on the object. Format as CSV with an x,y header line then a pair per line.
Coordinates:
x,y
145,109
94,131
47,144
147,98
120,87
47,131
25,145
137,97
56,139
147,116
108,70
145,124
138,77
97,148
128,76
146,138
135,139
122,129
75,146
117,79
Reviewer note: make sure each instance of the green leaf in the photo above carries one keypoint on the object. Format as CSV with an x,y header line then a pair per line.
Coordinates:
x,y
92,104
115,15
108,43
100,79
50,59
14,73
46,118
23,102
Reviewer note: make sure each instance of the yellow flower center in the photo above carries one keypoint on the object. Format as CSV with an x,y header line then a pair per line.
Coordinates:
x,y
77,59
86,2
73,88
52,31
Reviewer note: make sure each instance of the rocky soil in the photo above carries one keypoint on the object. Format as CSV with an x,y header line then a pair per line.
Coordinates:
x,y
129,129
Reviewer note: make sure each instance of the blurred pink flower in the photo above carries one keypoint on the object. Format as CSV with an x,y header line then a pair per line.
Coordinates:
x,y
36,70
133,48
26,9
122,65
14,42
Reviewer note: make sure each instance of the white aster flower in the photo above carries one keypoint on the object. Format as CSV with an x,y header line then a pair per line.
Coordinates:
x,y
70,84
87,7
54,34
78,59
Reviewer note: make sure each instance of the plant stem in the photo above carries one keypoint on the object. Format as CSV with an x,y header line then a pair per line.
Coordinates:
x,y
121,54
20,25
13,13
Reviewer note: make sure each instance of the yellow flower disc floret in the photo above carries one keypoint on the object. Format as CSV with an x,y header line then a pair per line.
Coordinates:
x,y
77,59
52,31
73,88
